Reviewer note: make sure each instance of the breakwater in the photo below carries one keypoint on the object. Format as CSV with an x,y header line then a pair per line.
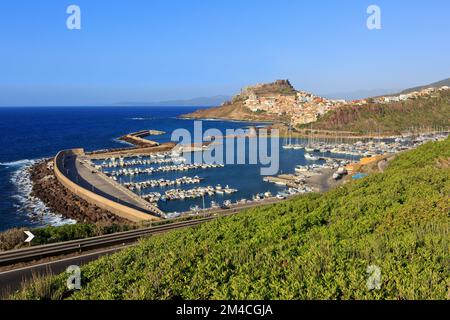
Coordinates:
x,y
115,207
137,138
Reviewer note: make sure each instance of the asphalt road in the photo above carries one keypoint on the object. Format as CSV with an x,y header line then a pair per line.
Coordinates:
x,y
87,178
12,280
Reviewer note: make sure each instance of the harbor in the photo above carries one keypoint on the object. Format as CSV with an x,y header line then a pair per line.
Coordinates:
x,y
160,182
165,179
169,168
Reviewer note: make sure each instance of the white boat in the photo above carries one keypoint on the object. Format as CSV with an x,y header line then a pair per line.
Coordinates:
x,y
227,203
256,197
268,194
337,176
301,169
310,157
214,205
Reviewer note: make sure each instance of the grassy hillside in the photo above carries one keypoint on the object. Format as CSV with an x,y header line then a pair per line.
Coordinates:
x,y
393,117
312,247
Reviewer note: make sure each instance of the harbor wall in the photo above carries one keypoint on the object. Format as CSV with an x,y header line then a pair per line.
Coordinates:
x,y
131,152
93,198
137,138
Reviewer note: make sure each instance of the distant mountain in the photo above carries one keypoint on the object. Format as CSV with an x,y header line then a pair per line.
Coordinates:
x,y
195,102
438,84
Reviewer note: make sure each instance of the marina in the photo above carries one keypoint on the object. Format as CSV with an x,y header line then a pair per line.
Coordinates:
x,y
139,161
161,183
164,179
147,173
168,168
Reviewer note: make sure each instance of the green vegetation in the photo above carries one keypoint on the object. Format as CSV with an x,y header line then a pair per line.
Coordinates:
x,y
260,111
393,117
317,246
14,238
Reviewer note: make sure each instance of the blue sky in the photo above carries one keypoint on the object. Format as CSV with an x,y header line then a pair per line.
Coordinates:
x,y
153,50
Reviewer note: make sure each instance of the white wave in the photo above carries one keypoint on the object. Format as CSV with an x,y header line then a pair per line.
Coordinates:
x,y
29,205
141,118
18,163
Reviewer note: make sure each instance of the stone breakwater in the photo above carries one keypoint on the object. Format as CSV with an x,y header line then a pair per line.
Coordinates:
x,y
60,200
137,138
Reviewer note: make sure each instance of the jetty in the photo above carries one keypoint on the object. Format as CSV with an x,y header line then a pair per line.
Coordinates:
x,y
73,169
130,152
283,180
137,138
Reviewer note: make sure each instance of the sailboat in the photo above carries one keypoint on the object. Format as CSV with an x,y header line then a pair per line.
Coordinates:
x,y
289,145
308,147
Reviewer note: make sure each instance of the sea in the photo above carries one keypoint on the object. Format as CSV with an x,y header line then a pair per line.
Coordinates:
x,y
29,134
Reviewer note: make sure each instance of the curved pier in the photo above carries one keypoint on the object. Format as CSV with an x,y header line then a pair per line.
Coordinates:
x,y
73,170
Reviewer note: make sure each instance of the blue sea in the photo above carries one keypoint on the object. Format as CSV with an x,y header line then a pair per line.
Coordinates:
x,y
30,134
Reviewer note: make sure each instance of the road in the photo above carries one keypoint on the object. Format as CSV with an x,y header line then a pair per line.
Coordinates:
x,y
93,248
12,280
77,170
96,247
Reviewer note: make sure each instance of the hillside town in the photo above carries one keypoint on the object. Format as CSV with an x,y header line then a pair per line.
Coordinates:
x,y
281,99
427,92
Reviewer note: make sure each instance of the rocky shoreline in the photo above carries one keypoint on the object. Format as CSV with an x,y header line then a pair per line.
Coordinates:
x,y
61,201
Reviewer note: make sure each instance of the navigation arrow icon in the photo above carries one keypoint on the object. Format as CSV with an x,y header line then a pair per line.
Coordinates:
x,y
30,236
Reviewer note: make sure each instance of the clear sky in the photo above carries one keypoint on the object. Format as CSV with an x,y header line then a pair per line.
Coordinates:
x,y
152,50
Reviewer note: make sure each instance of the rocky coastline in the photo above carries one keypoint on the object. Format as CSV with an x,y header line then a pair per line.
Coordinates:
x,y
61,201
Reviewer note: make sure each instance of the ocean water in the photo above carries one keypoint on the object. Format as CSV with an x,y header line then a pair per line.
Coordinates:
x,y
30,134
